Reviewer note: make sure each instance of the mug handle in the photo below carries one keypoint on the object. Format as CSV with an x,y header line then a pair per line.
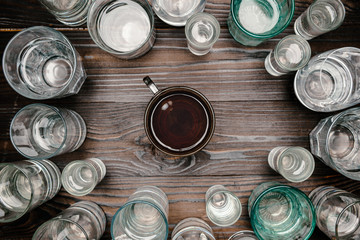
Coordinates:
x,y
151,85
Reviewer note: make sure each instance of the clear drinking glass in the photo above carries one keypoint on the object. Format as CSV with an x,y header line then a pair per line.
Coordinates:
x,y
278,211
40,63
330,80
81,177
68,12
335,141
143,216
337,212
25,185
290,54
223,207
251,22
295,164
192,229
40,131
176,12
81,221
244,235
202,30
320,17
124,28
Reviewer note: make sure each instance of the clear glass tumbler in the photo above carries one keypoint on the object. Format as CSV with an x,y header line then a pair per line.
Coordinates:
x,y
40,131
330,80
69,12
124,28
40,63
251,22
25,185
81,221
192,229
336,142
81,177
223,207
290,54
278,211
320,17
244,235
202,30
337,212
295,164
143,216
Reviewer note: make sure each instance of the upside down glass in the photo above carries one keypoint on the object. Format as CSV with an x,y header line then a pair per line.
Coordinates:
x,y
251,22
337,212
83,220
335,141
330,80
40,131
143,216
192,229
41,63
25,185
278,211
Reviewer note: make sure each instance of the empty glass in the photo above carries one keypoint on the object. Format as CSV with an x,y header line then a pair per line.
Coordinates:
x,y
251,22
25,185
81,177
40,63
124,28
81,221
143,216
335,141
192,229
244,235
295,164
337,212
290,54
278,211
69,12
176,12
330,80
40,131
202,30
223,208
320,17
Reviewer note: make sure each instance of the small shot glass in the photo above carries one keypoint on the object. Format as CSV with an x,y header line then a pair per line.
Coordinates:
x,y
223,207
244,235
320,17
290,54
295,164
192,228
81,177
202,30
83,220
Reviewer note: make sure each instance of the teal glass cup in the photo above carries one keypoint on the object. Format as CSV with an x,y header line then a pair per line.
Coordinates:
x,y
251,22
279,211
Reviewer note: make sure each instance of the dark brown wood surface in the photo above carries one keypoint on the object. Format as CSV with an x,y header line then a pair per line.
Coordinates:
x,y
254,111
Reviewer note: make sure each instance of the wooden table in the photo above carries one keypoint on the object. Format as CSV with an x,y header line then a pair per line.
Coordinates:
x,y
254,111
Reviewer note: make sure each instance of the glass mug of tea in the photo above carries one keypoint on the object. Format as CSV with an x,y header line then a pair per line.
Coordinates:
x,y
179,121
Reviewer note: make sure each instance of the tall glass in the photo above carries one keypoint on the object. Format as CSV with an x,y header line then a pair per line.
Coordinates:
x,y
336,142
192,229
124,28
337,212
41,63
330,80
26,185
81,221
40,131
278,211
251,22
143,216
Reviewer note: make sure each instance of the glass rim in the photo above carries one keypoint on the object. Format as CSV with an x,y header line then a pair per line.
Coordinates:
x,y
56,110
192,228
261,36
117,214
283,187
337,223
68,43
94,11
239,233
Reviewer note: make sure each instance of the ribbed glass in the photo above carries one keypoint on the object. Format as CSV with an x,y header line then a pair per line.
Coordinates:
x,y
192,229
